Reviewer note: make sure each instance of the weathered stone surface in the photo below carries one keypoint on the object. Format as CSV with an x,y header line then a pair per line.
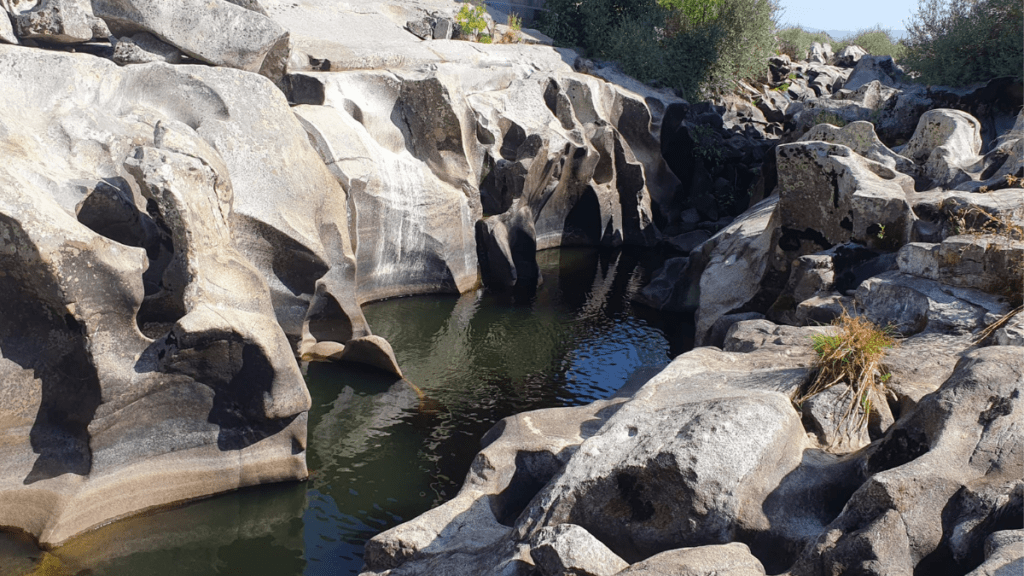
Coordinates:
x,y
791,341
736,260
143,48
850,55
1004,554
569,549
975,511
919,365
214,31
723,326
822,310
965,433
7,35
183,376
667,290
861,138
945,143
870,68
819,53
520,455
696,470
809,276
373,351
507,249
732,559
830,195
945,213
413,231
838,428
912,305
58,21
989,263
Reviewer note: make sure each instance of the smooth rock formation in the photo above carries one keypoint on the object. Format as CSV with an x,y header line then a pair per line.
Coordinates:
x,y
183,376
944,143
569,549
520,455
696,471
214,31
719,560
736,259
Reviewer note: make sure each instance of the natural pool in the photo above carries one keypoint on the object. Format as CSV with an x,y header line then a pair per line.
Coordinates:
x,y
380,451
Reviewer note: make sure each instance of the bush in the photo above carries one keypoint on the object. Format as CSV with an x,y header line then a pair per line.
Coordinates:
x,y
795,42
958,42
471,20
852,355
877,41
689,45
748,41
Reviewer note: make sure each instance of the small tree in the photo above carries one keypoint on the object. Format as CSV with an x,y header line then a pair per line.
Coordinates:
x,y
689,45
957,42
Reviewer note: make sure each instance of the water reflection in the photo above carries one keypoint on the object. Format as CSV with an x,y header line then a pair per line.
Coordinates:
x,y
382,450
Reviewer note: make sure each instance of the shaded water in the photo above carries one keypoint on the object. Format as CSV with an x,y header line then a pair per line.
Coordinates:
x,y
382,451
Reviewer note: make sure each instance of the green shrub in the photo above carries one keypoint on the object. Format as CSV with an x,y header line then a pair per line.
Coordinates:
x,y
795,42
748,41
957,42
689,45
878,41
471,20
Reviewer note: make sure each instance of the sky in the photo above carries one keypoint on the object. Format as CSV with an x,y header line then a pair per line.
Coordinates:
x,y
853,16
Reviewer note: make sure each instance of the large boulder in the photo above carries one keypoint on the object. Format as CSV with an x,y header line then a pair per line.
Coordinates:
x,y
143,357
871,68
990,263
215,31
945,143
714,560
830,195
57,21
569,549
520,455
658,477
911,304
958,440
732,264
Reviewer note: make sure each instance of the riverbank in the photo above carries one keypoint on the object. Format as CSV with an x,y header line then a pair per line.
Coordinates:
x,y
186,215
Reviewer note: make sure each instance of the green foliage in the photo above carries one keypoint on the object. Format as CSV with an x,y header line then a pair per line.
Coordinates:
x,y
689,45
485,39
958,42
795,42
471,20
878,41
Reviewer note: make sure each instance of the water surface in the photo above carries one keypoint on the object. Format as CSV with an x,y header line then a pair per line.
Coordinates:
x,y
383,450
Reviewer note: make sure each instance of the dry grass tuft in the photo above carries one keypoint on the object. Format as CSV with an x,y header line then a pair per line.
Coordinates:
x,y
853,355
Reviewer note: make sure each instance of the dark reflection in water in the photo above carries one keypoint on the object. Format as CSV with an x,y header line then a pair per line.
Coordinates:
x,y
383,450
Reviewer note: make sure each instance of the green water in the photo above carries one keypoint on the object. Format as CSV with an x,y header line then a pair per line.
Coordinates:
x,y
380,453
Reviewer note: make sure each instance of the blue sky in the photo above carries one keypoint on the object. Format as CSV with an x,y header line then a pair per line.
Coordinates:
x,y
833,15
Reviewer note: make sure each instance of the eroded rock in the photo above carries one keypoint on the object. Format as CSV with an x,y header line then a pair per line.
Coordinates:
x,y
216,31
